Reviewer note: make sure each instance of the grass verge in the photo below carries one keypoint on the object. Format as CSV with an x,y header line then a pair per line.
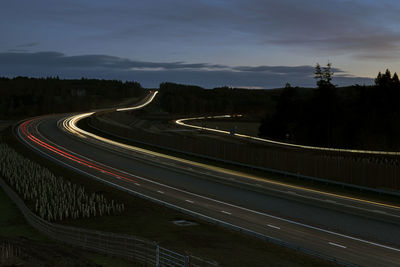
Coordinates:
x,y
14,227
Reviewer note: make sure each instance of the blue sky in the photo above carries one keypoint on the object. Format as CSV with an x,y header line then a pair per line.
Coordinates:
x,y
258,43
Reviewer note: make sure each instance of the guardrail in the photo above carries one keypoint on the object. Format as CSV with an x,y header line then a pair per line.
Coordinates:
x,y
129,247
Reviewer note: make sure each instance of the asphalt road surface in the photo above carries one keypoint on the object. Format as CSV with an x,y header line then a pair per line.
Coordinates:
x,y
290,217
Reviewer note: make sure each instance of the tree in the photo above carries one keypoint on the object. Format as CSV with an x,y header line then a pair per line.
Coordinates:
x,y
395,79
328,73
378,79
386,80
318,72
324,76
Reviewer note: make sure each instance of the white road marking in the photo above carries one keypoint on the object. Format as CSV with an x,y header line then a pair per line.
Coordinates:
x,y
331,201
336,245
137,184
187,200
161,192
379,211
226,212
273,226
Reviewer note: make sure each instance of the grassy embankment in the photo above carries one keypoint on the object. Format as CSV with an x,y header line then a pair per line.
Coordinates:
x,y
13,226
39,249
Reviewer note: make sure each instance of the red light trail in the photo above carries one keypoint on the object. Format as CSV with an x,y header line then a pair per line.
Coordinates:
x,y
24,129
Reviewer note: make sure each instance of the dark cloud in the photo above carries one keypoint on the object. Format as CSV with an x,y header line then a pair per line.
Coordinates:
x,y
150,74
28,44
284,70
17,50
56,59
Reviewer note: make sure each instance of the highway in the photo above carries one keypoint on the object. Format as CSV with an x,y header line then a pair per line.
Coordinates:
x,y
277,211
185,122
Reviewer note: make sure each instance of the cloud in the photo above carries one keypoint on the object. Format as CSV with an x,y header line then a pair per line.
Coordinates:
x,y
330,27
17,50
150,74
356,28
28,44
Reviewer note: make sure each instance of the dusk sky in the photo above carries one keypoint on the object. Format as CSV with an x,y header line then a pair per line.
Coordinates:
x,y
246,43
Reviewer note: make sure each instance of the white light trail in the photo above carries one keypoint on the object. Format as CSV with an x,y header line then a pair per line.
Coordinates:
x,y
182,123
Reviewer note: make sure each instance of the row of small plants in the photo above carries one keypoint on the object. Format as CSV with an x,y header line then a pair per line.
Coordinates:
x,y
53,198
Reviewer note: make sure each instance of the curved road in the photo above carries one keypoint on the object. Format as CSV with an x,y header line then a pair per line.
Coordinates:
x,y
192,189
184,122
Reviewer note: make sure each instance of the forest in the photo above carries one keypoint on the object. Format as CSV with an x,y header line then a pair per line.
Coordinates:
x,y
23,97
194,100
360,117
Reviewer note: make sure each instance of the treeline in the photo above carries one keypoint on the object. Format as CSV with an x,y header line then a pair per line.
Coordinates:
x,y
186,99
23,97
362,117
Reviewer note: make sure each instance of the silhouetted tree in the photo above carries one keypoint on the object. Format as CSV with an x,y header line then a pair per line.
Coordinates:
x,y
324,76
386,80
363,117
395,79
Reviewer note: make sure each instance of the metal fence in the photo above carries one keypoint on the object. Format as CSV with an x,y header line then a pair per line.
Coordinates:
x,y
363,171
125,246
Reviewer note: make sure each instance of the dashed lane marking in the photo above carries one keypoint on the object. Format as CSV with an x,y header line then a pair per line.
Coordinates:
x,y
273,226
336,245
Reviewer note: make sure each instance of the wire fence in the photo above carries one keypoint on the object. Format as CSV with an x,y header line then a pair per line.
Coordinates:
x,y
8,250
378,172
125,246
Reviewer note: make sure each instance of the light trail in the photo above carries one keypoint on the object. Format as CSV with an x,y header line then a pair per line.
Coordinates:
x,y
24,129
70,124
25,132
148,101
182,123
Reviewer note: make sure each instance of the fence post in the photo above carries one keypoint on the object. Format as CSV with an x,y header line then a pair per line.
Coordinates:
x,y
187,262
158,255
